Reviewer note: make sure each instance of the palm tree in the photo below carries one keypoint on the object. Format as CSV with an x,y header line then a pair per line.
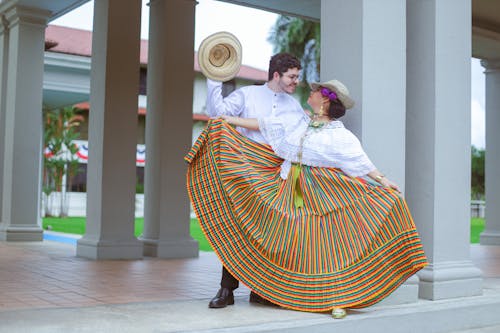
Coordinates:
x,y
302,39
477,173
59,158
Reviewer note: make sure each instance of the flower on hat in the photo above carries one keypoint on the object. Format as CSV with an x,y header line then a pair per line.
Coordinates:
x,y
328,93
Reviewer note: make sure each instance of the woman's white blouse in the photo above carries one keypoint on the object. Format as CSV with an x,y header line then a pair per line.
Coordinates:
x,y
331,145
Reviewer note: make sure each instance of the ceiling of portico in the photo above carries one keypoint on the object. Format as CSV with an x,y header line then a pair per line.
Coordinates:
x,y
307,9
486,29
485,17
56,7
485,20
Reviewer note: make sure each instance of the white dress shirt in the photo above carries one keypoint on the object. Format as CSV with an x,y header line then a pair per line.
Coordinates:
x,y
251,102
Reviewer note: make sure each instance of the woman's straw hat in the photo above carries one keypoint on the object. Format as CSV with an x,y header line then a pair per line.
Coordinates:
x,y
339,88
219,56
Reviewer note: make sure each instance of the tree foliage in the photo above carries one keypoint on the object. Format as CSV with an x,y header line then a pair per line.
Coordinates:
x,y
302,39
59,159
477,172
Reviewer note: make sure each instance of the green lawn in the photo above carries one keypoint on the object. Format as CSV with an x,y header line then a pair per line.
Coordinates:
x,y
76,225
476,228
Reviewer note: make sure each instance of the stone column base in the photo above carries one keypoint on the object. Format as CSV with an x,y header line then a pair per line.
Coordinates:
x,y
489,238
450,280
98,249
22,234
187,248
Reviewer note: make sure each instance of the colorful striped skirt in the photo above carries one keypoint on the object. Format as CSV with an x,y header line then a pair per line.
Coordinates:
x,y
350,245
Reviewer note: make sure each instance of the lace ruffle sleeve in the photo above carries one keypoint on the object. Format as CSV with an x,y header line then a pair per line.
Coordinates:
x,y
277,131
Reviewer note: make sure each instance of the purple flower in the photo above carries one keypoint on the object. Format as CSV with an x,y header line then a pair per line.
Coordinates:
x,y
328,93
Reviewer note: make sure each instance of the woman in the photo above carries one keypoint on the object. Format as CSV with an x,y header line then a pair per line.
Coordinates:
x,y
321,140
303,230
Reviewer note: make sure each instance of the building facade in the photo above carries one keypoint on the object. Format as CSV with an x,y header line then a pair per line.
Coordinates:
x,y
407,64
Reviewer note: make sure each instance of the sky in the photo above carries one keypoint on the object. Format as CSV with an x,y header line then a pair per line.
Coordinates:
x,y
241,21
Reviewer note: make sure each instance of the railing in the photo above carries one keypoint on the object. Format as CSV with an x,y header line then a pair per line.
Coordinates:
x,y
477,208
77,204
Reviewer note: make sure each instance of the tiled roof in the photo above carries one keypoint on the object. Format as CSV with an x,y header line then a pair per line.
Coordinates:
x,y
142,111
79,42
86,106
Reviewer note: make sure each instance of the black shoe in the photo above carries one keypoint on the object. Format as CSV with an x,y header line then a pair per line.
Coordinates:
x,y
223,298
254,298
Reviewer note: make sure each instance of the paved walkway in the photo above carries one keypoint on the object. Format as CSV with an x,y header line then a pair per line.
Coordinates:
x,y
48,274
44,287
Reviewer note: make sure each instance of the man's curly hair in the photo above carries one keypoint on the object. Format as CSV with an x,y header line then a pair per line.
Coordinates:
x,y
281,63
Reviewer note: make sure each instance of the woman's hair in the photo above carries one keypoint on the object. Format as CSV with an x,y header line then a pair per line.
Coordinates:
x,y
336,109
281,63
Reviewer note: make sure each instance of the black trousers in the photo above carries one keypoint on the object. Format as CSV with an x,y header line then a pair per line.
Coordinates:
x,y
228,281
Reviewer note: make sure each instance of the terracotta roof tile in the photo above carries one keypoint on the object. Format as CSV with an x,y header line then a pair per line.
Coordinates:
x,y
142,111
79,42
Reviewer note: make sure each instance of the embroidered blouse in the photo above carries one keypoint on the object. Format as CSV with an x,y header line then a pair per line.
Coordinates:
x,y
332,145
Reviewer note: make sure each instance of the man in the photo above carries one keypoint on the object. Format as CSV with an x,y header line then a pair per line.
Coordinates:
x,y
272,98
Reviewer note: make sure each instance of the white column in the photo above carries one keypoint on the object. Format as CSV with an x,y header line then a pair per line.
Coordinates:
x,y
111,172
4,51
363,44
438,143
168,129
491,234
22,134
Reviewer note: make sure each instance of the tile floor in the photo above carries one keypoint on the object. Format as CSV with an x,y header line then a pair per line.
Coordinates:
x,y
48,274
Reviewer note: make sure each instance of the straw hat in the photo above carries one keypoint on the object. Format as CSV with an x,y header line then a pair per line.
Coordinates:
x,y
337,87
219,56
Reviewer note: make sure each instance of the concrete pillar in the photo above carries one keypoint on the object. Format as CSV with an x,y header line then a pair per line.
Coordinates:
x,y
22,124
491,234
438,143
111,172
363,44
4,51
168,129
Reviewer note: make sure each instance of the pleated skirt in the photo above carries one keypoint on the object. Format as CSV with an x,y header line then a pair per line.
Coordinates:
x,y
350,245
